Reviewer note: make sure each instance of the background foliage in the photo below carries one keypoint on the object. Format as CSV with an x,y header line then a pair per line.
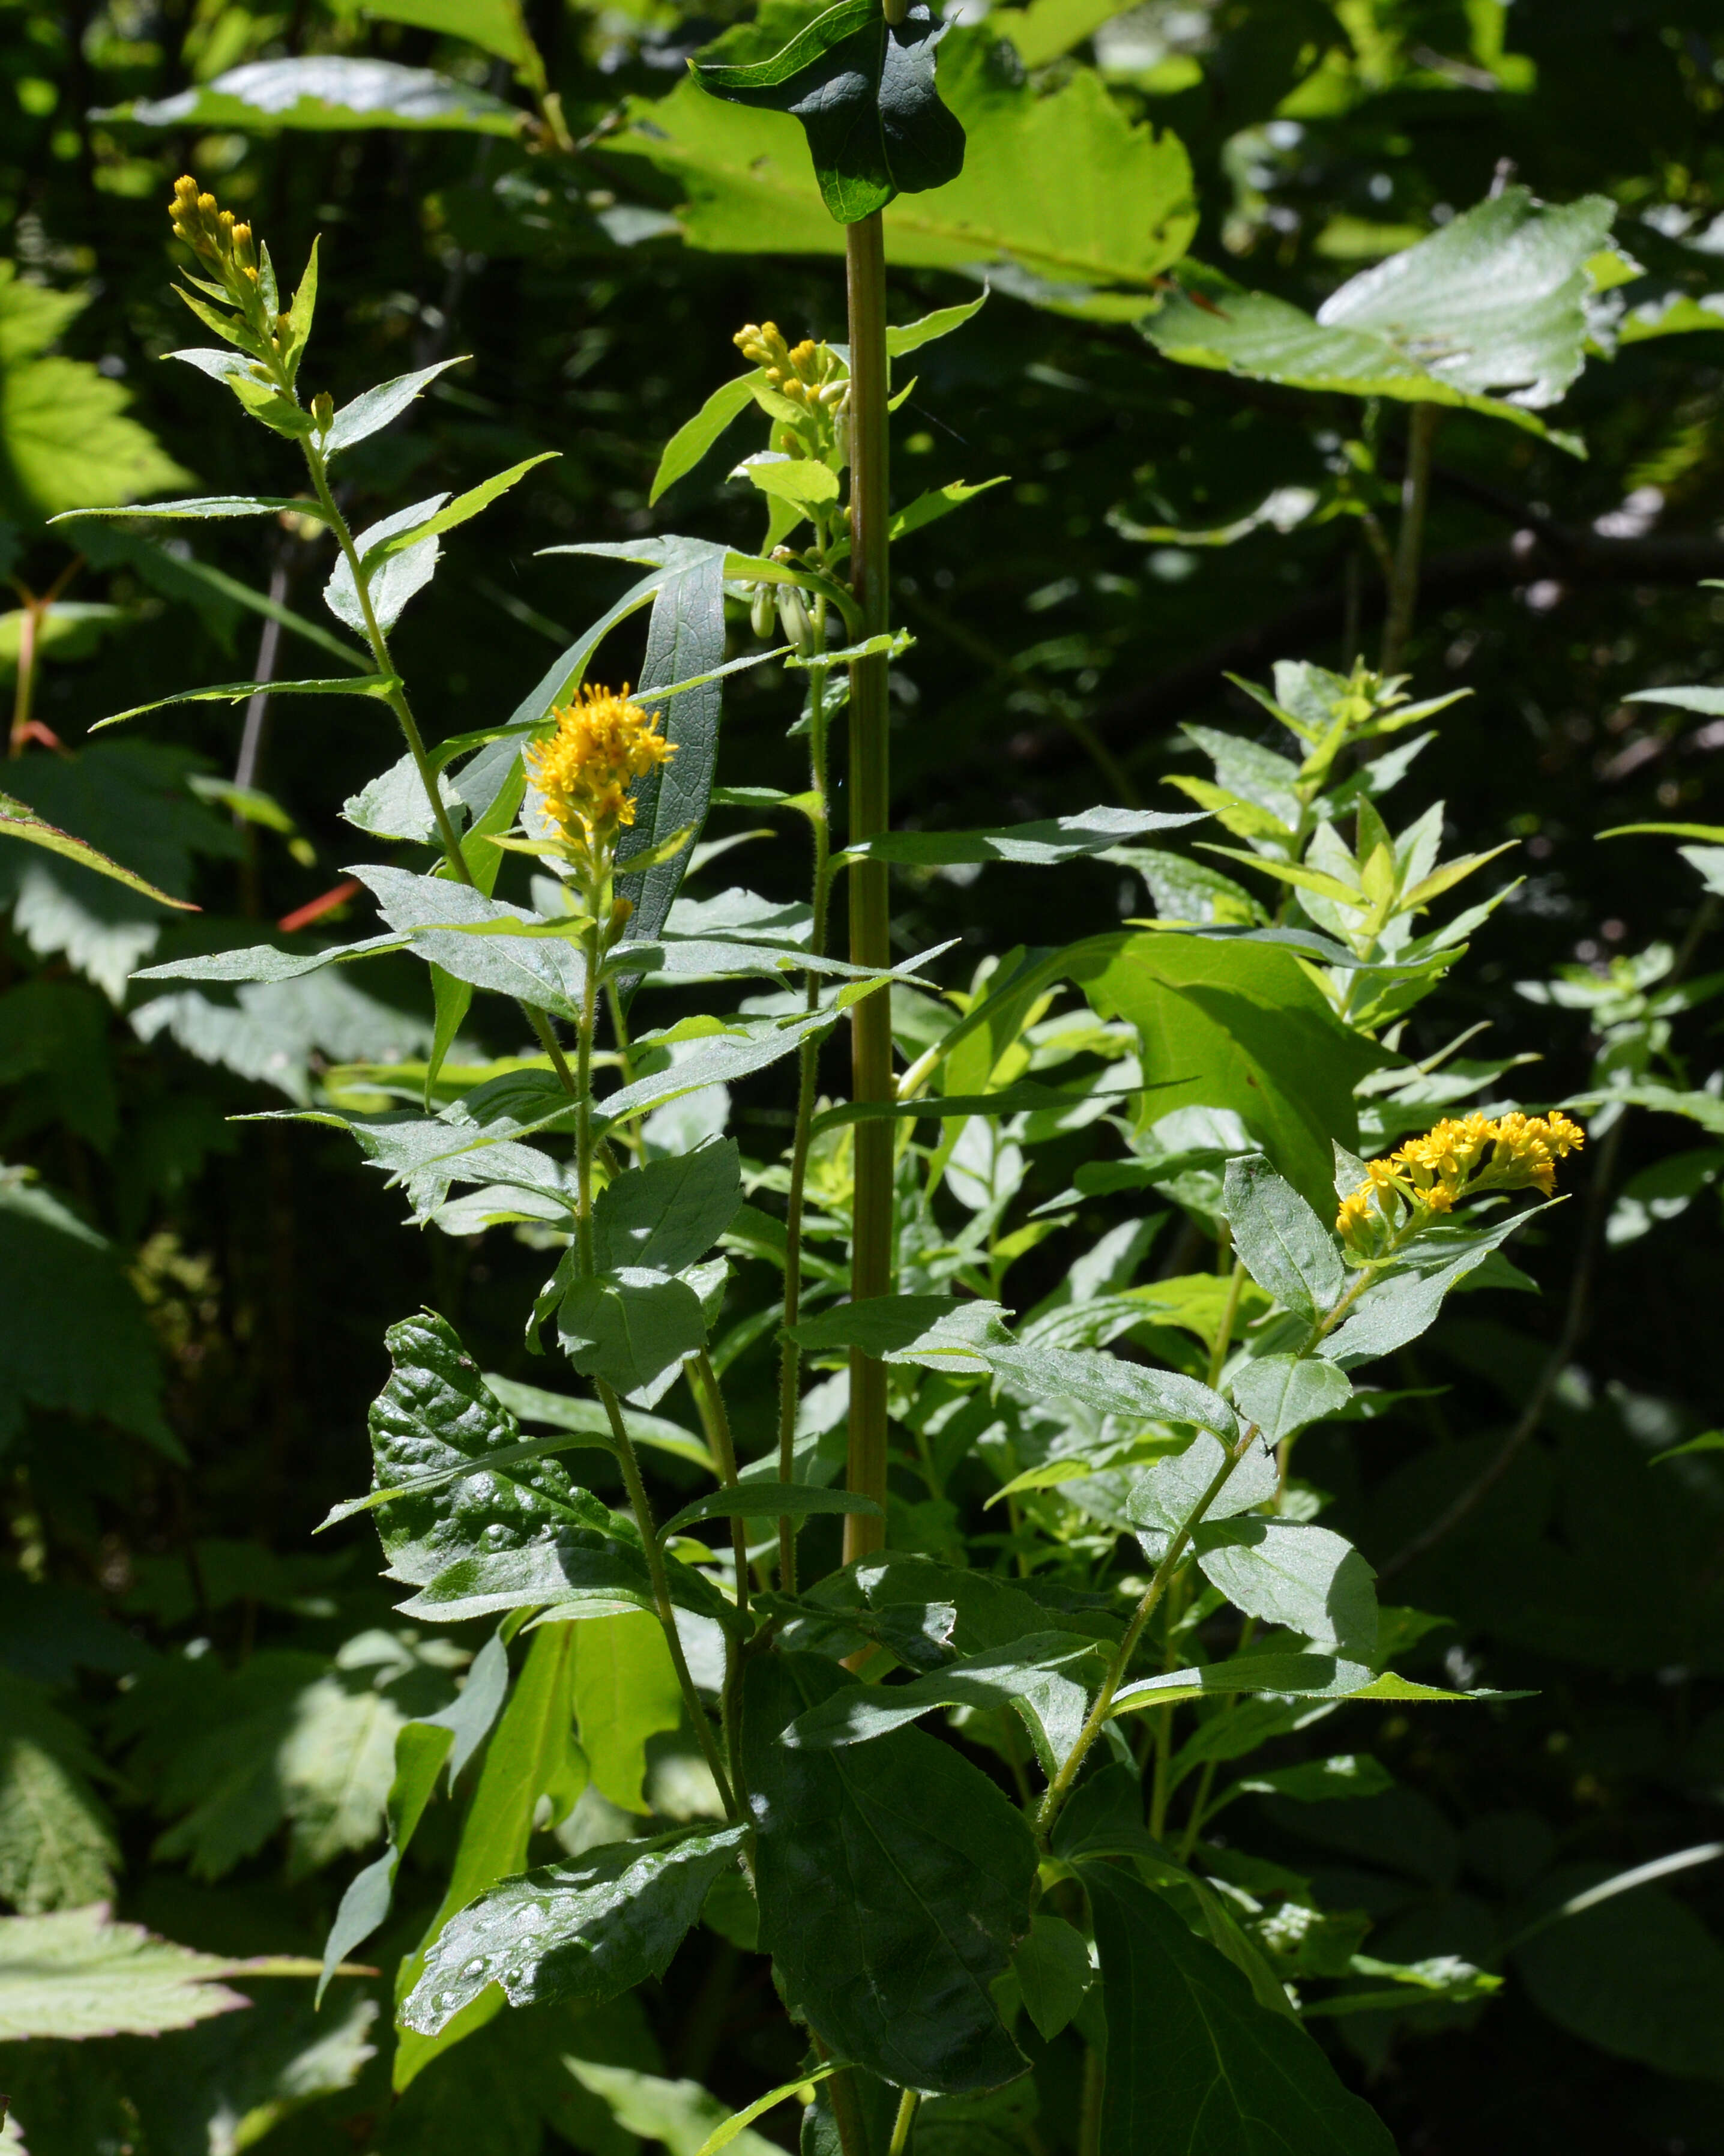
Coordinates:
x,y
198,1704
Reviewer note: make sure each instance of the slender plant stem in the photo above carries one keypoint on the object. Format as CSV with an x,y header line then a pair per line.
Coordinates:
x,y
808,1069
902,2125
1409,540
846,2111
1229,1318
1090,2104
871,1019
1061,1788
716,1421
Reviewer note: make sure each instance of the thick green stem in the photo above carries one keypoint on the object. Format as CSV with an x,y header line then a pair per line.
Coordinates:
x,y
902,2125
716,1421
871,943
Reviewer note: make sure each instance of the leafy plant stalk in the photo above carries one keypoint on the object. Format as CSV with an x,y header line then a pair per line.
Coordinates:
x,y
870,941
1409,539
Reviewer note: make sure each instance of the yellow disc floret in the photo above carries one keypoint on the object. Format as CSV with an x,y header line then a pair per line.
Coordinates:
x,y
582,772
1457,1159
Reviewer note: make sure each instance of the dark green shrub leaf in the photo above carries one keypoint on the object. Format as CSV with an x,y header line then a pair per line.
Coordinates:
x,y
894,1879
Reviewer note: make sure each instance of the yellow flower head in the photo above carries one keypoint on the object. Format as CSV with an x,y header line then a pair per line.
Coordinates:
x,y
1456,1159
583,772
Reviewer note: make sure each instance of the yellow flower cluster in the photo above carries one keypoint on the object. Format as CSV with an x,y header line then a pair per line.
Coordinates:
x,y
808,374
1456,1160
583,772
212,232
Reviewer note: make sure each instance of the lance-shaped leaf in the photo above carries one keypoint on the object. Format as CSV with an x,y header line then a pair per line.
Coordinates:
x,y
727,1052
1045,1678
1164,1496
324,92
894,1879
465,506
693,439
206,505
938,1330
374,408
1035,845
236,692
395,580
864,91
17,820
937,502
1117,1388
629,1325
1193,2060
582,1931
1291,1676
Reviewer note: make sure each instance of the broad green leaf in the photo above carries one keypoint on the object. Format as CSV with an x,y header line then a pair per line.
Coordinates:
x,y
322,92
586,1930
863,89
77,1974
670,1212
67,438
1492,301
1038,1675
238,692
893,1878
630,1325
547,970
1193,2061
1038,846
460,510
1232,1024
1293,1573
17,820
375,408
1052,1966
1121,214
436,1414
1283,1393
1286,1247
680,2115
693,439
495,26
765,1500
1640,1975
626,1691
1164,1496
530,1757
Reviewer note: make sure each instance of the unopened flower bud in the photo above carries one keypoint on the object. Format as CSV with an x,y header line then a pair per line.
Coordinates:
x,y
760,611
323,411
793,620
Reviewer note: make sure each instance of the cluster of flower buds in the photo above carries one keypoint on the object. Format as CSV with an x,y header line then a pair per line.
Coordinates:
x,y
212,232
1458,1159
812,378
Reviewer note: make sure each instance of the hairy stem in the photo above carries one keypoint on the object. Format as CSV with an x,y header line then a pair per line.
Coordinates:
x,y
871,943
1061,1788
902,2125
807,1068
